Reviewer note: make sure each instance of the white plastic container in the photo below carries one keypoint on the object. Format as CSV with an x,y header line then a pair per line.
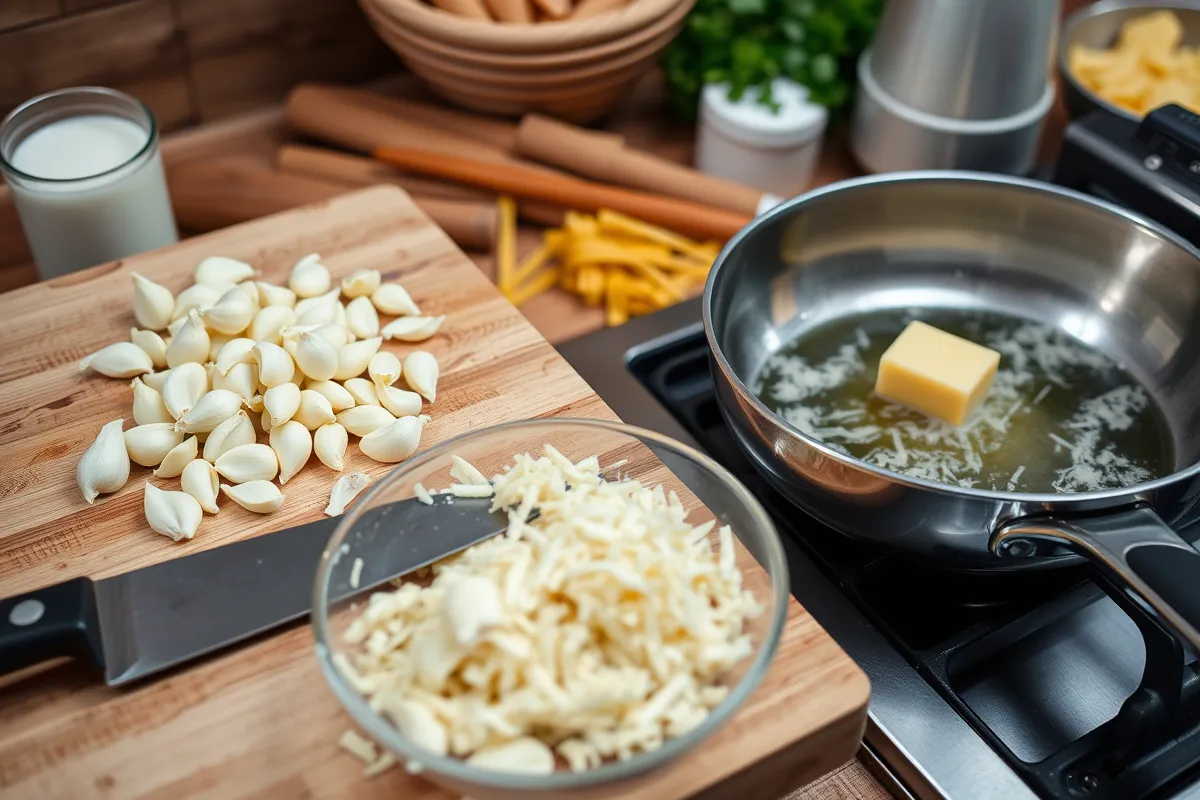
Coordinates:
x,y
743,140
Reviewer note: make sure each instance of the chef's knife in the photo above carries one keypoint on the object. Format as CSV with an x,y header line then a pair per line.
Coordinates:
x,y
156,617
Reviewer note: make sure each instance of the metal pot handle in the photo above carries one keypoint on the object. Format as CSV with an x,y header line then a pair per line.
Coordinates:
x,y
1133,546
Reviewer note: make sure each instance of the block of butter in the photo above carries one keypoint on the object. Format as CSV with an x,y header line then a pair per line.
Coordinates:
x,y
935,372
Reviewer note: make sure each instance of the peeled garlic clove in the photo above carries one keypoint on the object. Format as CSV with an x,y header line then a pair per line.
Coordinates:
x,y
281,402
412,329
336,394
344,490
318,310
175,327
119,360
248,462
335,334
184,387
271,295
152,343
148,405
314,410
197,296
363,391
235,351
354,357
394,299
361,282
269,322
309,277
235,431
242,379
179,457
421,373
155,380
210,410
418,724
219,270
329,443
264,422
399,402
261,497
232,313
174,514
104,467
525,755
394,442
293,444
275,366
298,377
199,479
316,357
191,344
384,368
149,444
217,342
361,420
153,304
361,318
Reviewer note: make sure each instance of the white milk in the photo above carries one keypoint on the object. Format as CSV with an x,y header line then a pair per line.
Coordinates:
x,y
88,198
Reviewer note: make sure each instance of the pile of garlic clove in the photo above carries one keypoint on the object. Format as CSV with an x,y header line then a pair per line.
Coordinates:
x,y
236,381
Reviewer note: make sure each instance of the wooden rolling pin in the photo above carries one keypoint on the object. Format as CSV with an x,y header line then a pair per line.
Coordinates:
x,y
207,195
683,216
560,144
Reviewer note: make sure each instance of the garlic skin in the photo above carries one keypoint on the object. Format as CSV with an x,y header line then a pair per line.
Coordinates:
x,y
269,322
235,351
354,357
362,420
281,402
318,310
275,366
316,357
174,514
395,442
191,344
293,445
198,296
149,444
384,368
219,270
155,380
231,314
344,490
309,277
179,457
261,497
314,410
199,479
338,396
119,360
418,724
421,373
329,443
153,344
394,300
398,401
148,405
184,387
413,329
104,467
248,462
363,391
242,379
271,295
255,404
210,410
525,755
361,318
237,430
153,304
361,283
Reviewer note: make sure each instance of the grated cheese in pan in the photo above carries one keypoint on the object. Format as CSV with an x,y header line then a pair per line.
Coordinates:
x,y
596,630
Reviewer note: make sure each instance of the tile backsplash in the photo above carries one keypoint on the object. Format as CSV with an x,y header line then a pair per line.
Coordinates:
x,y
191,61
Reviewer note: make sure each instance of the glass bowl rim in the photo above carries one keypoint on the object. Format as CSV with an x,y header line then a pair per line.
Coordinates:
x,y
611,772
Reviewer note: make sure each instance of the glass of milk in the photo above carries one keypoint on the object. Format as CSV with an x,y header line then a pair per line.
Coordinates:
x,y
85,173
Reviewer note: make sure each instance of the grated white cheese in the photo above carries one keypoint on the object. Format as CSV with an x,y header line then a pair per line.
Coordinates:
x,y
358,746
1016,476
422,494
600,628
356,572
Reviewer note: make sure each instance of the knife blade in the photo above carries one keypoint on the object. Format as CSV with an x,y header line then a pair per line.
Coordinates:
x,y
138,623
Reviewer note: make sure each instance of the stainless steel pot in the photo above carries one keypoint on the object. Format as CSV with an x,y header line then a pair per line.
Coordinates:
x,y
974,241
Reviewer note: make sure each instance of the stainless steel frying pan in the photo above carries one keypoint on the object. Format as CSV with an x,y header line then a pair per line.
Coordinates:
x,y
974,241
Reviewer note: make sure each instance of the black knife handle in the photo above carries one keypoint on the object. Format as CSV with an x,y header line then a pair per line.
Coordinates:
x,y
51,622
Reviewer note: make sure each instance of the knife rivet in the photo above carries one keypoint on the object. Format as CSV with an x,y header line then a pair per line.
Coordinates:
x,y
26,612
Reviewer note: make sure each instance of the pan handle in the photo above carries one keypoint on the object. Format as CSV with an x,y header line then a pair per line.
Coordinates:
x,y
1133,546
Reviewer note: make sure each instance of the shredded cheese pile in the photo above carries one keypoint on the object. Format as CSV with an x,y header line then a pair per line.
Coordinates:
x,y
597,629
630,267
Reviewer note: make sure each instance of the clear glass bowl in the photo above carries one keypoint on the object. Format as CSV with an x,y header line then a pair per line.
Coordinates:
x,y
711,492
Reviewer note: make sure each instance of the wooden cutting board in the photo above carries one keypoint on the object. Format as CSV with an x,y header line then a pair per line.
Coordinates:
x,y
259,720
